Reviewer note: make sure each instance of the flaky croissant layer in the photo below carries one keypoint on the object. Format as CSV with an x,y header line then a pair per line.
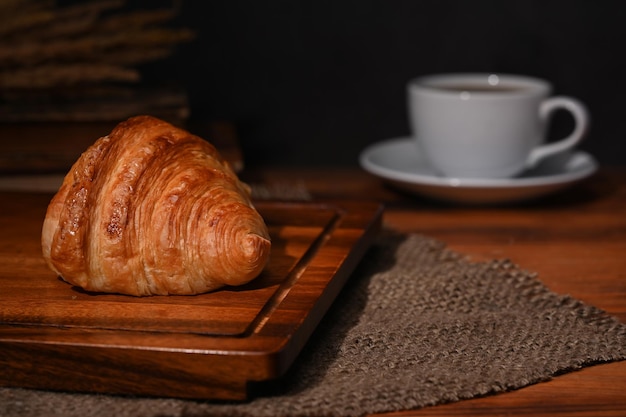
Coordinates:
x,y
151,209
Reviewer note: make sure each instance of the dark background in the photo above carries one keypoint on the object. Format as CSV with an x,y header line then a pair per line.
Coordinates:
x,y
315,81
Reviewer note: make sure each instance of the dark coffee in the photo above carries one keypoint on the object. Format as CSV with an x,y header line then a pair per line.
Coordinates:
x,y
479,88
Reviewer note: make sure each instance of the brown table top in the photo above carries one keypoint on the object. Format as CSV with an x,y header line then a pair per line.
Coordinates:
x,y
574,240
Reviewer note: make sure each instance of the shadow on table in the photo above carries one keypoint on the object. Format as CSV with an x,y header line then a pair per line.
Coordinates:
x,y
325,343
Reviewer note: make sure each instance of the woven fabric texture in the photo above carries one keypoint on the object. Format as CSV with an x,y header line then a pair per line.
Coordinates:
x,y
416,325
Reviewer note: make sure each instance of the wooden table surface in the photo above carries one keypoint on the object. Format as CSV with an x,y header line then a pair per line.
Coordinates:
x,y
575,240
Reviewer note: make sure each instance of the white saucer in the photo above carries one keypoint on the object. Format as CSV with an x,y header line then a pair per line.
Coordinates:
x,y
400,163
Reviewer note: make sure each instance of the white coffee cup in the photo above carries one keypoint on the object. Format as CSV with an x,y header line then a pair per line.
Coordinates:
x,y
488,125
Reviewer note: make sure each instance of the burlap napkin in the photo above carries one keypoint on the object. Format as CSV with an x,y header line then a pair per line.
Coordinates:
x,y
417,325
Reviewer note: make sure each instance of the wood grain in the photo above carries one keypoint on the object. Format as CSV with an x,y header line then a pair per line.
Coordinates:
x,y
574,240
55,336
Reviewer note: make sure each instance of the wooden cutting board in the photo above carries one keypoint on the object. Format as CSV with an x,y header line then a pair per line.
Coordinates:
x,y
211,346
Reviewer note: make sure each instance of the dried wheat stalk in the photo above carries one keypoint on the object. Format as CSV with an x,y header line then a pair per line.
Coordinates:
x,y
22,17
86,48
47,76
42,46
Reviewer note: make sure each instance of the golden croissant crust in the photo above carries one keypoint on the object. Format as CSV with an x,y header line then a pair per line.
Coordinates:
x,y
152,209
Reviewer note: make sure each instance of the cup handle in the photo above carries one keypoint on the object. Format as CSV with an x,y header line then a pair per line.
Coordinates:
x,y
581,125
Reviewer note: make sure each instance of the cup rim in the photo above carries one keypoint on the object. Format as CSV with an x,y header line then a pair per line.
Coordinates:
x,y
431,84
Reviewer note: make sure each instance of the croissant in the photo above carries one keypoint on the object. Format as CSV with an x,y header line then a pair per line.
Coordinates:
x,y
151,209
